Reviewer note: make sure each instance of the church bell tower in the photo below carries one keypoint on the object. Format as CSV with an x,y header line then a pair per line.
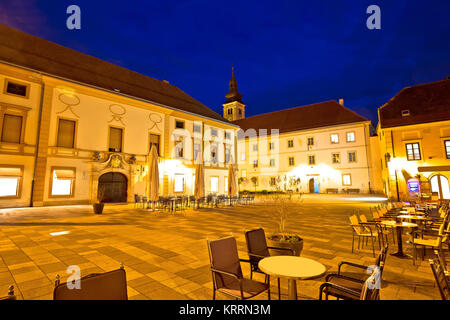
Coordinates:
x,y
233,108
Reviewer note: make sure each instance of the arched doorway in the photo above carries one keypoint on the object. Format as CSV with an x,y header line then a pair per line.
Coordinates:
x,y
114,186
439,184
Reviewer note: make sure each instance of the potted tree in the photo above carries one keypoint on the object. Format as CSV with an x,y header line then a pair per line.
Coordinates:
x,y
98,206
254,180
280,208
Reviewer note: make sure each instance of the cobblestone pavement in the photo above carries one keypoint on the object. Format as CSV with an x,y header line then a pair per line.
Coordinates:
x,y
165,255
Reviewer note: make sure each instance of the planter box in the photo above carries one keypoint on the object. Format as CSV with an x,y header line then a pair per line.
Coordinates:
x,y
296,246
98,207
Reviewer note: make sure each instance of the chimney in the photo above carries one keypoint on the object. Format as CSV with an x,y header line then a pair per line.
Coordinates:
x,y
165,81
341,102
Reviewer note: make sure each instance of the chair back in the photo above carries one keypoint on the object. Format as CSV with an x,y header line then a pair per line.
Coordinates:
x,y
256,245
355,224
439,253
381,259
103,286
375,214
371,289
363,218
441,279
223,256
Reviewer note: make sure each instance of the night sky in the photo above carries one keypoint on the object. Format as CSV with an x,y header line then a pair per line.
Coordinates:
x,y
285,53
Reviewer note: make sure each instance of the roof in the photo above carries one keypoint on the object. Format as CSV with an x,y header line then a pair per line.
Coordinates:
x,y
426,103
322,114
35,53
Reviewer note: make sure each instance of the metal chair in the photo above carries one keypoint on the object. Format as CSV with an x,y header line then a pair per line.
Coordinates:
x,y
441,279
10,296
362,231
257,250
99,286
227,273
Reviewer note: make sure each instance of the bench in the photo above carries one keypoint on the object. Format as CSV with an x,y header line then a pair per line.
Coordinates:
x,y
331,190
350,190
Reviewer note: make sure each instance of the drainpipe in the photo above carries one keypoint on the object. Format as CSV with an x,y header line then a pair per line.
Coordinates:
x,y
367,156
37,142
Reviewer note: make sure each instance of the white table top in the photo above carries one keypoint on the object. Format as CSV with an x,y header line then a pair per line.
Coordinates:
x,y
408,216
292,267
399,224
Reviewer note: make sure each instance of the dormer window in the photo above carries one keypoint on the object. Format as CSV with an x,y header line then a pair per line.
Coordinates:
x,y
405,113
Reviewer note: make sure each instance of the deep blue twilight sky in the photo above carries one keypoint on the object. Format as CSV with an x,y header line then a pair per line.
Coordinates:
x,y
286,53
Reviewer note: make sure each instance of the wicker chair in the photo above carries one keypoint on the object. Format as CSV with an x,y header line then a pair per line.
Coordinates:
x,y
227,273
441,278
100,286
363,231
257,250
10,296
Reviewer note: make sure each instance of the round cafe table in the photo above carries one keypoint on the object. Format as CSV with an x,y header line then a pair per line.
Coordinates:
x,y
292,268
399,226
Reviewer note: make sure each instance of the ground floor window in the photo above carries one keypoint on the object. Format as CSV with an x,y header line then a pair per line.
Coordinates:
x,y
179,183
346,180
214,184
62,183
10,181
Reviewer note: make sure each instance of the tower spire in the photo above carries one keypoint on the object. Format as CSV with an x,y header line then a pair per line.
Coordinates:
x,y
233,94
233,108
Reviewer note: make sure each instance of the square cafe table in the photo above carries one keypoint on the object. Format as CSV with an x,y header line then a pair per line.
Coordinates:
x,y
398,226
292,268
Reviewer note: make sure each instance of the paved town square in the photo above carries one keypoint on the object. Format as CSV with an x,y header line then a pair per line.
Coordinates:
x,y
165,254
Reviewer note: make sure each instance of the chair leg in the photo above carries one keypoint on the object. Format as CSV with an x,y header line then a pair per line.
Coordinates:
x,y
268,290
214,294
279,289
373,246
353,241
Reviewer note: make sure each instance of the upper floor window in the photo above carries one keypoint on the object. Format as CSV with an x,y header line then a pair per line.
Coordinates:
x,y
197,150
213,153
179,124
66,133
255,163
12,128
255,147
290,143
197,128
227,154
350,137
447,148
273,181
242,156
335,158
179,147
310,141
334,138
154,141
227,135
214,133
272,162
312,160
230,111
17,89
352,156
413,151
271,145
115,139
240,112
291,161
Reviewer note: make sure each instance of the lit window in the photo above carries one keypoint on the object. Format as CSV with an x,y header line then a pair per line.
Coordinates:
x,y
447,148
346,180
214,184
350,137
413,151
226,185
244,173
290,143
312,160
334,138
243,156
62,182
352,156
12,128
291,161
178,183
335,158
10,179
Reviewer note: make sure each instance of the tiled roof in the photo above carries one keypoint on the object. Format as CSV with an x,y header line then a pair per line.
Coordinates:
x,y
316,115
426,103
29,51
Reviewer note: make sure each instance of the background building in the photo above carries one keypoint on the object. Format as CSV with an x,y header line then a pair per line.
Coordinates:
x,y
323,147
71,123
414,134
